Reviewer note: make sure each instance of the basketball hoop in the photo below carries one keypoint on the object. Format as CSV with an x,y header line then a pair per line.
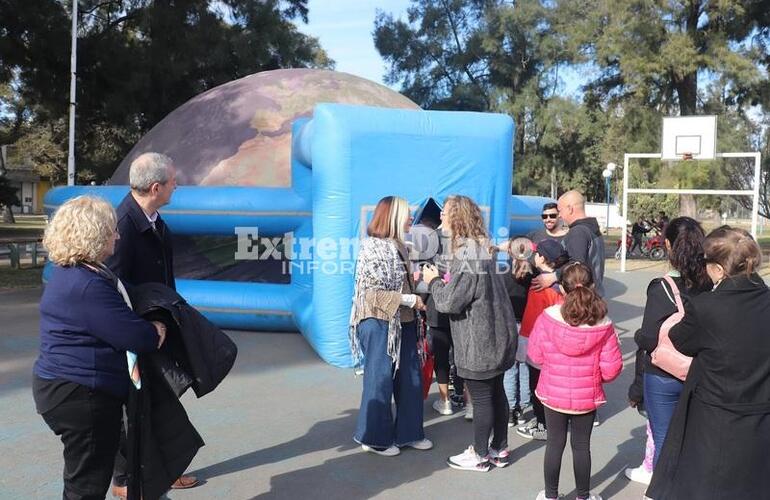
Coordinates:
x,y
687,156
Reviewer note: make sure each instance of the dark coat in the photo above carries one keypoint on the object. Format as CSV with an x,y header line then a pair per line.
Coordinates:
x,y
717,444
142,255
162,441
86,329
657,309
584,243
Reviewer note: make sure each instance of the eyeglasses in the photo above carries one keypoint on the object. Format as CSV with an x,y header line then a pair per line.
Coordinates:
x,y
549,216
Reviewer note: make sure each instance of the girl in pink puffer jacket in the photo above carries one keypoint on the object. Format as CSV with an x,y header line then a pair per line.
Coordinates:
x,y
577,348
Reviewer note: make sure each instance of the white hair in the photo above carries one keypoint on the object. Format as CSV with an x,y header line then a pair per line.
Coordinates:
x,y
149,168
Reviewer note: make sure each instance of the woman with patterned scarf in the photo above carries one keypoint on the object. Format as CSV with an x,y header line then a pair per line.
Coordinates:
x,y
383,334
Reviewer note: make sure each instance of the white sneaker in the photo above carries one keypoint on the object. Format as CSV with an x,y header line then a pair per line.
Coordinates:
x,y
592,496
423,444
443,407
469,460
469,412
499,458
541,496
639,475
391,451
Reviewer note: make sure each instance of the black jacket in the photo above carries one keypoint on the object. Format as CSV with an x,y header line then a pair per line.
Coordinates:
x,y
142,255
162,441
584,243
657,309
718,441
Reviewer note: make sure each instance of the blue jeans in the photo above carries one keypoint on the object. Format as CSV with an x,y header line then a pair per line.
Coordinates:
x,y
376,426
516,385
661,395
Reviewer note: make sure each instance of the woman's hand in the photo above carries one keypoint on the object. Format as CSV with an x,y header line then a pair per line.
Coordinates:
x,y
161,329
419,305
429,273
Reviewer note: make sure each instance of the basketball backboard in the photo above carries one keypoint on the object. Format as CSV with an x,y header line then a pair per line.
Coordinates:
x,y
690,137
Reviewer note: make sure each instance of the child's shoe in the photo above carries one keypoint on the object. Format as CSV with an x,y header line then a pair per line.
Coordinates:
x,y
639,474
499,458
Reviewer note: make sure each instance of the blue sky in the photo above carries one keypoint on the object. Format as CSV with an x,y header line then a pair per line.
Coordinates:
x,y
345,28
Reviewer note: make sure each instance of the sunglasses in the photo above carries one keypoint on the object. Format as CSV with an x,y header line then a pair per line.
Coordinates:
x,y
549,216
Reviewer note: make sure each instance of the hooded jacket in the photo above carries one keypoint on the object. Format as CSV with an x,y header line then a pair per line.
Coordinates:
x,y
575,361
584,243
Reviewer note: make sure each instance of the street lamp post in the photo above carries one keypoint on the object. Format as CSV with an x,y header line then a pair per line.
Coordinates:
x,y
73,83
607,174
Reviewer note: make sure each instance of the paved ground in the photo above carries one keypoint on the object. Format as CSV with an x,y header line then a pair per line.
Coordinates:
x,y
280,426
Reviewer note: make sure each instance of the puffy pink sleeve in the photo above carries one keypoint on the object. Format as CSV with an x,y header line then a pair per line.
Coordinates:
x,y
610,359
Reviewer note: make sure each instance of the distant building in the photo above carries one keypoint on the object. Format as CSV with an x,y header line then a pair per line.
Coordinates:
x,y
22,175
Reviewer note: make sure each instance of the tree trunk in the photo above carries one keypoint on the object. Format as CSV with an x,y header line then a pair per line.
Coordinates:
x,y
8,217
688,206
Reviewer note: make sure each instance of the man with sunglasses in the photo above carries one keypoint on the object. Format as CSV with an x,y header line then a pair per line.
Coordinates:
x,y
584,241
553,229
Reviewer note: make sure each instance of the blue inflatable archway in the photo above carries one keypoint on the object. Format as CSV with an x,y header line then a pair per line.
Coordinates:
x,y
343,161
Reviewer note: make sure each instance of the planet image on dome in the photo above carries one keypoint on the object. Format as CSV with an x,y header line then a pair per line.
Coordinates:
x,y
239,133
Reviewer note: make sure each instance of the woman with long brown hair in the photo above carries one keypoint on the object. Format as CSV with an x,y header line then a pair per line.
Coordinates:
x,y
717,444
687,276
483,330
383,334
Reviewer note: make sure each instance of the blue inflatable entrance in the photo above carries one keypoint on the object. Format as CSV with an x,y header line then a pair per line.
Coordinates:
x,y
344,160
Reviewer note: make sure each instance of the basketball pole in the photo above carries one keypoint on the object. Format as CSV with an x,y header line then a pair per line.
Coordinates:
x,y
624,222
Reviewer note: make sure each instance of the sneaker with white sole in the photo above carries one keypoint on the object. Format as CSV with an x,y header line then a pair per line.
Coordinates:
x,y
469,460
499,458
591,496
528,425
639,475
390,451
443,407
538,432
469,412
541,496
422,445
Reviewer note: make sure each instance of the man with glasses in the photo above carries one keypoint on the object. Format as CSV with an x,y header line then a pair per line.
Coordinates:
x,y
584,241
552,225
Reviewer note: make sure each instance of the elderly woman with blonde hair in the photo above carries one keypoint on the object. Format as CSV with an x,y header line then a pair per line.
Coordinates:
x,y
81,377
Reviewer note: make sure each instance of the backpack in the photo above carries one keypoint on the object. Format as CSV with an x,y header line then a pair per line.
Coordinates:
x,y
665,356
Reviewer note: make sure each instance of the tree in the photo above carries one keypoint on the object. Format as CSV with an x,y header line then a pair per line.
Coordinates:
x,y
668,56
438,55
137,61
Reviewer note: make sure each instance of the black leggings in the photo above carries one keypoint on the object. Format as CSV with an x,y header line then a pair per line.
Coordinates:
x,y
490,414
440,343
537,406
580,439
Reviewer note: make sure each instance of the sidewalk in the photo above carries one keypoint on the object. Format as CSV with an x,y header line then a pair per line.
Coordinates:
x,y
281,425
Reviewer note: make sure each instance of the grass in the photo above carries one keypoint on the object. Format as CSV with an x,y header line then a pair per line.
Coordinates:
x,y
26,277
